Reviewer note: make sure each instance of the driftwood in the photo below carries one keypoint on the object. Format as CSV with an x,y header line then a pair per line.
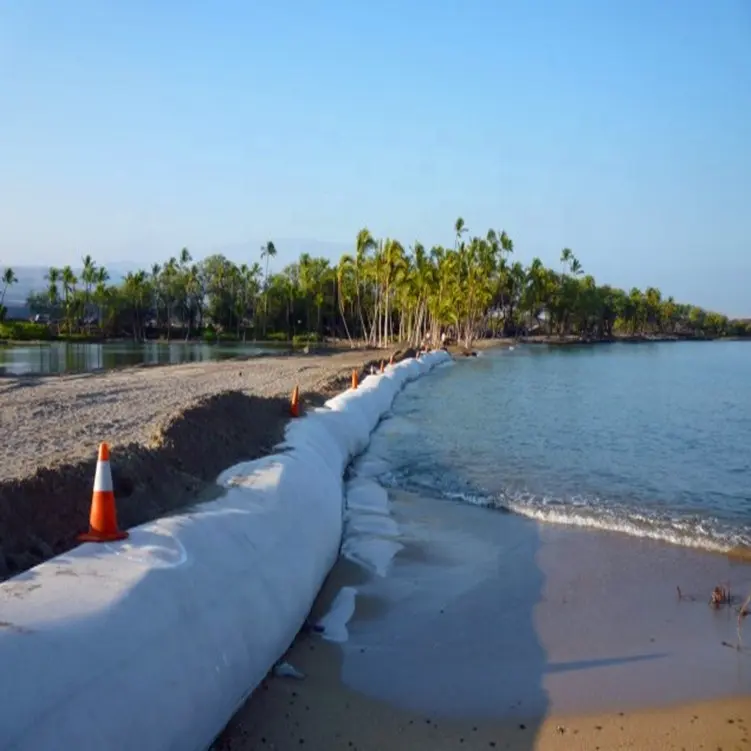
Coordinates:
x,y
721,596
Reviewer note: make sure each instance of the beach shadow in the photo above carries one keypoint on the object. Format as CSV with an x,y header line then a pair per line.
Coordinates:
x,y
455,642
459,641
573,665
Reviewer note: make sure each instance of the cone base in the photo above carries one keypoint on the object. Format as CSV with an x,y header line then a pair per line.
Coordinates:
x,y
102,536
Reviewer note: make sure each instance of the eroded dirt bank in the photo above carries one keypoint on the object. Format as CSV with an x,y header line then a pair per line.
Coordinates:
x,y
171,429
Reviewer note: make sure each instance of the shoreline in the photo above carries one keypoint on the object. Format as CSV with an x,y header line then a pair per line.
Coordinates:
x,y
171,430
343,345
569,341
483,639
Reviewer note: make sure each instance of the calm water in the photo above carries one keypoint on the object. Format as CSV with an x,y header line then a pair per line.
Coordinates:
x,y
652,440
65,357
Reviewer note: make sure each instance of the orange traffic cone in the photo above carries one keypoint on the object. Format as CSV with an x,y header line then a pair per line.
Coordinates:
x,y
294,407
103,516
383,366
355,380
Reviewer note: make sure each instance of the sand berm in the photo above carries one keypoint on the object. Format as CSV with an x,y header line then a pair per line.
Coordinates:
x,y
172,429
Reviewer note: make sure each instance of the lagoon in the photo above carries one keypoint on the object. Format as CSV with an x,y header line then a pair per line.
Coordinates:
x,y
58,358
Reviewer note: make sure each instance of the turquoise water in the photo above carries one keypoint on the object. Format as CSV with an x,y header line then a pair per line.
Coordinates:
x,y
70,357
650,440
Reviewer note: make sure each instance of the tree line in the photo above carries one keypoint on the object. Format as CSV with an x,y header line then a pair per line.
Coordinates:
x,y
380,293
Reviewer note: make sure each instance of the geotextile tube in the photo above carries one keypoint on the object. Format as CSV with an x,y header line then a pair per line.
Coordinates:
x,y
154,642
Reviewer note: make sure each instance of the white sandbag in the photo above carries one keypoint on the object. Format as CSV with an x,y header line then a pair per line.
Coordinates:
x,y
154,642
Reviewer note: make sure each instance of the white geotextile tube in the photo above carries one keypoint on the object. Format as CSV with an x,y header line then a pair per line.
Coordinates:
x,y
154,642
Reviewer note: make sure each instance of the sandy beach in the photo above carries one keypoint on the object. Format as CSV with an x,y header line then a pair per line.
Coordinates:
x,y
172,430
486,630
494,631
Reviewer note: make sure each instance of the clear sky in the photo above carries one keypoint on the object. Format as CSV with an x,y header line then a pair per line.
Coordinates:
x,y
618,128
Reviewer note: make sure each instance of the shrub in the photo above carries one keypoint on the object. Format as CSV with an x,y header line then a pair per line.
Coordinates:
x,y
24,331
310,338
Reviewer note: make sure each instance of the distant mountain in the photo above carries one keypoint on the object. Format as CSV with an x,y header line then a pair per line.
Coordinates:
x,y
288,250
32,278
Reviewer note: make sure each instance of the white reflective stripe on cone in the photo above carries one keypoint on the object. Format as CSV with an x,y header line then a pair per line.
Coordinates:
x,y
103,477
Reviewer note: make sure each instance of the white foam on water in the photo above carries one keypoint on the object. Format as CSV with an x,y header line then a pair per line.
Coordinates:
x,y
163,636
673,531
670,526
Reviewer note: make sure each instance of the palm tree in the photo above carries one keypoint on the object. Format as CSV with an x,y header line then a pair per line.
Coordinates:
x,y
566,256
136,291
305,282
155,279
379,293
364,245
345,285
8,279
169,281
69,281
268,251
459,230
53,293
101,277
88,277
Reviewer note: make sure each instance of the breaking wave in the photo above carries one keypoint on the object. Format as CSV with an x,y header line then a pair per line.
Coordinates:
x,y
703,532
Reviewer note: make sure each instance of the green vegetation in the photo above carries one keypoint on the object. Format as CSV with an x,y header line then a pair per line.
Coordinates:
x,y
380,293
23,331
8,279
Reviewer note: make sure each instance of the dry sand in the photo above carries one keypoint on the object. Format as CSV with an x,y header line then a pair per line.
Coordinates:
x,y
494,631
172,430
320,713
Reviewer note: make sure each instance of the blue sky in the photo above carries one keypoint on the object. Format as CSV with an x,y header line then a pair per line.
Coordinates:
x,y
620,128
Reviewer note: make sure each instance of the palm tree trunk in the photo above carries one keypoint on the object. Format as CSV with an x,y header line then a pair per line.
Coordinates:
x,y
343,313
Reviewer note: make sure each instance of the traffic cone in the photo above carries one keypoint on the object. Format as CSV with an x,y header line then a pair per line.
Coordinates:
x,y
355,380
294,407
383,365
103,516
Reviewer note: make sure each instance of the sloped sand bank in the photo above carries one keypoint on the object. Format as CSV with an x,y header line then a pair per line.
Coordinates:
x,y
171,429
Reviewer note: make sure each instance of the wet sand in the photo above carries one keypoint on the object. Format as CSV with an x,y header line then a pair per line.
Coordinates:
x,y
491,630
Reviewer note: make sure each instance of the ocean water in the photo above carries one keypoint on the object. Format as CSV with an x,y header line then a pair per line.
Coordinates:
x,y
650,440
